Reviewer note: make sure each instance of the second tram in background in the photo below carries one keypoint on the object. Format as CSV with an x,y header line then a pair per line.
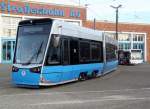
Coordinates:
x,y
51,52
130,57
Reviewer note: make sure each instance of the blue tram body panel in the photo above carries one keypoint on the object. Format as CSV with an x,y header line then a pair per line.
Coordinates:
x,y
52,74
56,74
60,74
25,77
110,66
89,68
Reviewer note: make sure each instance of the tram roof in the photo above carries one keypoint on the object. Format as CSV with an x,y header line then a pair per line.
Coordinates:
x,y
68,29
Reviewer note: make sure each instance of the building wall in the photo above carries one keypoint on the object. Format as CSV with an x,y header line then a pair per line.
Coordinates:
x,y
123,27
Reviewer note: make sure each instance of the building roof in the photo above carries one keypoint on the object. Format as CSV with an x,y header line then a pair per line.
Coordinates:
x,y
112,22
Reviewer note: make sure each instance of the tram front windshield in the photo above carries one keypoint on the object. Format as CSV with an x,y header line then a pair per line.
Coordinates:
x,y
31,44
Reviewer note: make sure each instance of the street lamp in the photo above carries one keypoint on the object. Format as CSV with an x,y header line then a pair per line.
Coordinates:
x,y
94,21
116,7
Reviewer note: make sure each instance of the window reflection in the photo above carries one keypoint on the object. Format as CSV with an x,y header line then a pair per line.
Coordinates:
x,y
7,50
124,46
112,35
124,37
138,37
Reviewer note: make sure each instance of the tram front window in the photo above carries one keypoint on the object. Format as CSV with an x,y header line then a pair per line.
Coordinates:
x,y
31,44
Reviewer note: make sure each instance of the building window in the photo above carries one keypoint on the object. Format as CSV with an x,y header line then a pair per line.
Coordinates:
x,y
124,37
135,38
120,46
124,46
7,51
135,46
141,46
141,37
138,37
138,46
127,46
112,35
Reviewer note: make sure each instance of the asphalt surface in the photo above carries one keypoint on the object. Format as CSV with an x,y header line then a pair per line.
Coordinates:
x,y
126,88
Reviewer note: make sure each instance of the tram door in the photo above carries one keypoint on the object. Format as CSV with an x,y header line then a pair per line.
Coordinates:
x,y
74,52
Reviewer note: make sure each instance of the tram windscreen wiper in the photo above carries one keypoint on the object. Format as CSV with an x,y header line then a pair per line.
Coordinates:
x,y
36,54
39,50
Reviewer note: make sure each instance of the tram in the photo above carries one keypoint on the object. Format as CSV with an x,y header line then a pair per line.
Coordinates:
x,y
51,52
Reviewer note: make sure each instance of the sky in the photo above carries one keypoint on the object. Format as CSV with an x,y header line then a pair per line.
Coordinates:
x,y
133,11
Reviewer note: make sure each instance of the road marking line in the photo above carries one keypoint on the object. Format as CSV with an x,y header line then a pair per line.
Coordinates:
x,y
89,101
73,92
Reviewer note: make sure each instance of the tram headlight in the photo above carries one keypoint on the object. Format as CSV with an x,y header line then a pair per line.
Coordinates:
x,y
36,70
14,69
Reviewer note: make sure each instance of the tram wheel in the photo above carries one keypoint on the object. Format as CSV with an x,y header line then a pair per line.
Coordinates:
x,y
82,77
94,75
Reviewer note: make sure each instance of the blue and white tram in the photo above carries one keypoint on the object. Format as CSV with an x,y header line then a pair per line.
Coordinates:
x,y
51,52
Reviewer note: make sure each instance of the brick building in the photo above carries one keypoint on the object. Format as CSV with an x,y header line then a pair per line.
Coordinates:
x,y
131,36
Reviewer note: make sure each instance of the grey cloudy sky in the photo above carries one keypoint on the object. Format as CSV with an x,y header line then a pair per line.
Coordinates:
x,y
136,11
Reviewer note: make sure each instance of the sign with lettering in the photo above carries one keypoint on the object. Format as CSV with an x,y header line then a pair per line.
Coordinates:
x,y
35,9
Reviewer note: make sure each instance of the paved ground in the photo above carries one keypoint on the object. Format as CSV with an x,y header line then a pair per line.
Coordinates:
x,y
126,88
5,70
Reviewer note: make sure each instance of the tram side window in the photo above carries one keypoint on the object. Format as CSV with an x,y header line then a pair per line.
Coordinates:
x,y
53,56
65,52
84,52
96,52
110,52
